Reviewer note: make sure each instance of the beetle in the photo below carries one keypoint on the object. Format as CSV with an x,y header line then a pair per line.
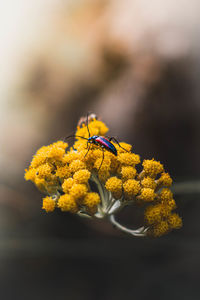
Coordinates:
x,y
103,142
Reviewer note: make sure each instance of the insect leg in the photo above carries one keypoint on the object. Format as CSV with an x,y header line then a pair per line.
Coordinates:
x,y
88,149
101,161
116,141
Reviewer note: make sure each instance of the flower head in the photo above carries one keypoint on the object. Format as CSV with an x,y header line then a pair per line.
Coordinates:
x,y
95,182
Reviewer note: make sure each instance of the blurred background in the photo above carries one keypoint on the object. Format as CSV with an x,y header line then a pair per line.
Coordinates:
x,y
136,64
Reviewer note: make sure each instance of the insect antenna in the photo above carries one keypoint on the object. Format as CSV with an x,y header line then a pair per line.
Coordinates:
x,y
101,161
88,149
70,136
88,126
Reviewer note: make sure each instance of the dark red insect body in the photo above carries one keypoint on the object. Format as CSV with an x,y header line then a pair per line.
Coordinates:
x,y
103,142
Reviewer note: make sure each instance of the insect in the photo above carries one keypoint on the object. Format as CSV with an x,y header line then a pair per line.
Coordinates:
x,y
101,141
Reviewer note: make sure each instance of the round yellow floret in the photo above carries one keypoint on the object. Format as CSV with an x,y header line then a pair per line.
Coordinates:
x,y
147,195
61,144
55,152
40,157
114,164
95,127
153,214
102,128
76,165
102,165
131,188
30,174
67,184
174,221
78,191
96,153
166,198
129,159
152,167
91,201
48,204
126,147
37,161
165,180
80,145
44,171
82,176
63,172
128,172
67,203
160,229
171,204
51,153
71,156
114,185
166,194
148,182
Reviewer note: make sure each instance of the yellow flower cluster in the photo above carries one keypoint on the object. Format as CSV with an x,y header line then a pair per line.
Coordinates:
x,y
65,177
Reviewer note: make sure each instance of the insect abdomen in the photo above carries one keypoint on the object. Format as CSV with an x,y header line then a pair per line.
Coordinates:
x,y
106,144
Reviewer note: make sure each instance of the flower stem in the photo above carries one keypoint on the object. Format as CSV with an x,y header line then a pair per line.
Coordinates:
x,y
142,231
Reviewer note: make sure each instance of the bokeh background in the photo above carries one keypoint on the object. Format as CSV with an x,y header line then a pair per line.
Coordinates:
x,y
136,64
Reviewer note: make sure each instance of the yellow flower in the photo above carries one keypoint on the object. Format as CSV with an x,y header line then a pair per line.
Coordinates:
x,y
78,191
174,221
131,188
30,174
152,167
147,195
153,214
67,184
67,203
166,195
128,172
38,159
160,229
103,129
123,147
76,165
41,184
92,181
129,159
165,180
56,152
91,201
95,127
63,171
48,204
114,185
44,171
105,164
61,144
82,176
148,182
70,157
